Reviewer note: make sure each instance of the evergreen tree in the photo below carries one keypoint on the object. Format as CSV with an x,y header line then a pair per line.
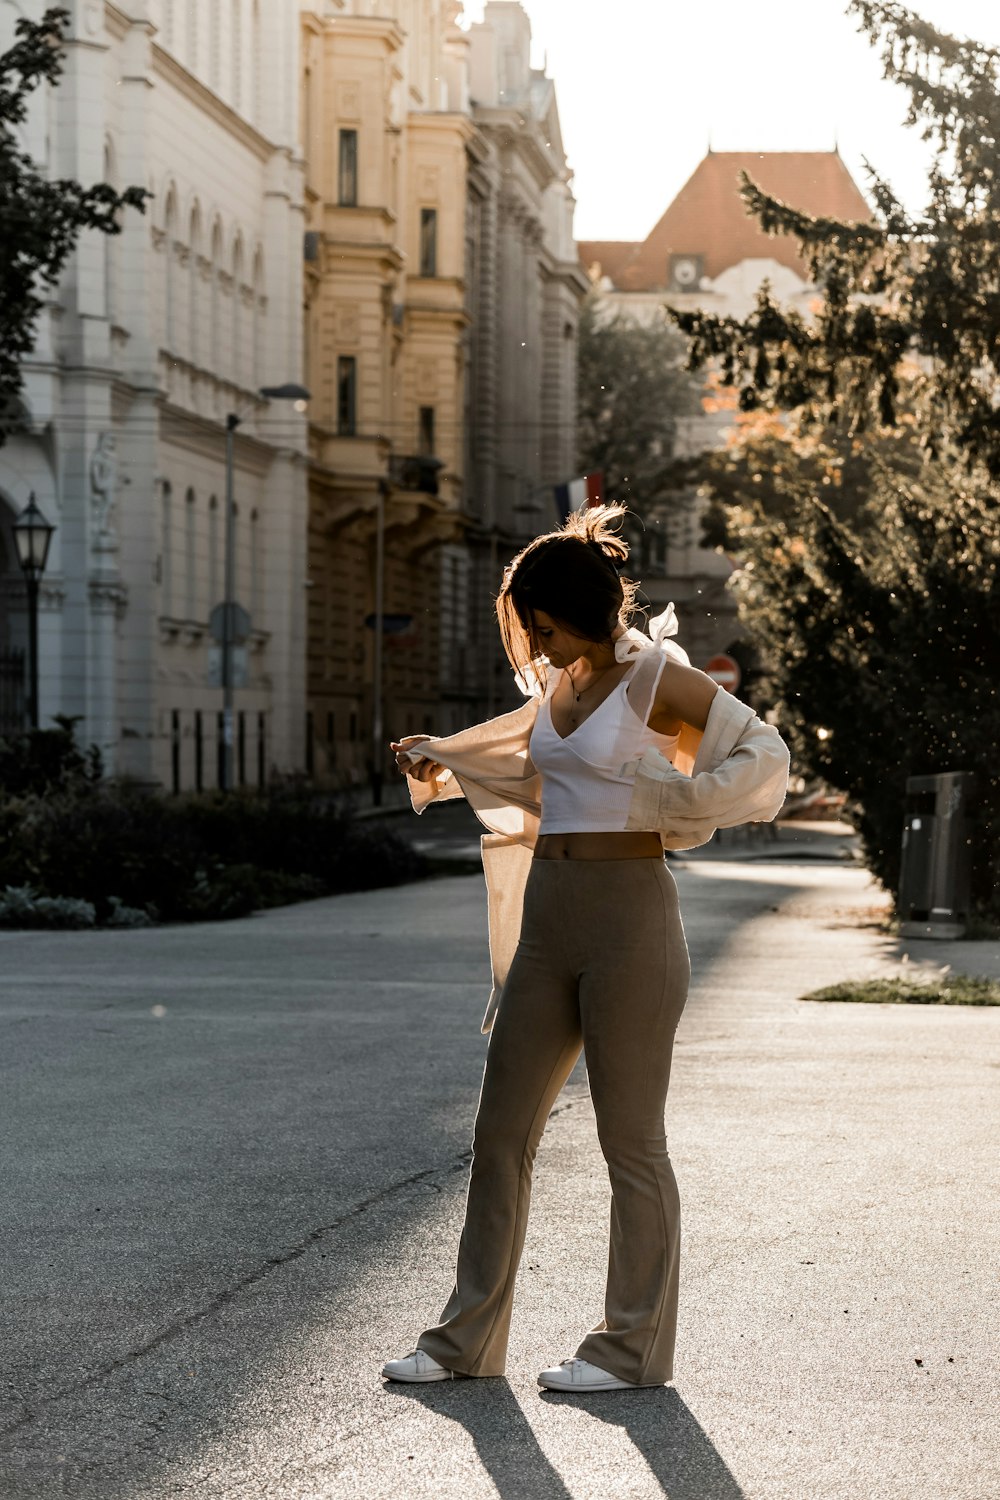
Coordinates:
x,y
881,623
900,287
40,220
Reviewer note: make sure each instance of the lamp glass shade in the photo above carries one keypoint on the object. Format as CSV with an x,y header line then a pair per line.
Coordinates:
x,y
32,535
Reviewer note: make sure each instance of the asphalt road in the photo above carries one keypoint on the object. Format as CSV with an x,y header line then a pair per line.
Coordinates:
x,y
235,1169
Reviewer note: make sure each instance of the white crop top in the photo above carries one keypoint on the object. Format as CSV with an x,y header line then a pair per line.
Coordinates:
x,y
586,778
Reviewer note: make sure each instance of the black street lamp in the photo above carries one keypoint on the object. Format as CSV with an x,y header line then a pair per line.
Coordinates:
x,y
32,535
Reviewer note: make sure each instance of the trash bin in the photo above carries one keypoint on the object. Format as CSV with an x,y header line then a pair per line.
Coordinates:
x,y
933,897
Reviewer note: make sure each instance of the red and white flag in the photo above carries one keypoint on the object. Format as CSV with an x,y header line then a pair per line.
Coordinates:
x,y
579,493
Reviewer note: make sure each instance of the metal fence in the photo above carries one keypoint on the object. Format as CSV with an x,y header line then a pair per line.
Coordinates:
x,y
13,689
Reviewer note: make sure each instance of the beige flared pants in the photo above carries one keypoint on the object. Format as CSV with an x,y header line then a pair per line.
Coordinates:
x,y
601,963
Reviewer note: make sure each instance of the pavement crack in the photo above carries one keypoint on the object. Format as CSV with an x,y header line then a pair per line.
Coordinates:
x,y
245,1283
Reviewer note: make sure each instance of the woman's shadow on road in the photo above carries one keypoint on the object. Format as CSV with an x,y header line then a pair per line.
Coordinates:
x,y
663,1429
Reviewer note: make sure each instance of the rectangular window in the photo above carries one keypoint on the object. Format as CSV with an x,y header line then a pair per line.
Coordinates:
x,y
347,395
428,241
426,432
347,175
199,752
175,750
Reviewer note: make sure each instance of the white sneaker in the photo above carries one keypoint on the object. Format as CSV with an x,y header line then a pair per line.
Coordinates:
x,y
578,1375
417,1366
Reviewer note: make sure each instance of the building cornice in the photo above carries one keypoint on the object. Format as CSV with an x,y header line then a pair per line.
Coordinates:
x,y
166,67
570,272
519,133
117,22
367,28
447,122
207,438
338,255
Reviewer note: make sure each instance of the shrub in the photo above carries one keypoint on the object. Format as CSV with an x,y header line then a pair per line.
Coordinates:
x,y
21,906
42,760
137,857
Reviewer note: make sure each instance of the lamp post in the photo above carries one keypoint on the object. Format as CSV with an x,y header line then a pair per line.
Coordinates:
x,y
377,708
32,535
231,613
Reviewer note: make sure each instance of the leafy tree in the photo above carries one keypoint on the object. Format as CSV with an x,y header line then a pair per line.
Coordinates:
x,y
881,637
40,220
632,388
881,620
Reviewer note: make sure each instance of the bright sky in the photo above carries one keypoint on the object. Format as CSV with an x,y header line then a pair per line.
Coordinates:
x,y
644,85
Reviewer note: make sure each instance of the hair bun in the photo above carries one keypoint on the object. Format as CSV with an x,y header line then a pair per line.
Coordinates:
x,y
596,525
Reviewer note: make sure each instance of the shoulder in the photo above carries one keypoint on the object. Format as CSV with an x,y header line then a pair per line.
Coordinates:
x,y
684,695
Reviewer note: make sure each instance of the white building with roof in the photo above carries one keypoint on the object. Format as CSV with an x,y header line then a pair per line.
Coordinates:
x,y
706,252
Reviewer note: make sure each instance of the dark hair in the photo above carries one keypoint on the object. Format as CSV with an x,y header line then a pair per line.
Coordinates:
x,y
572,575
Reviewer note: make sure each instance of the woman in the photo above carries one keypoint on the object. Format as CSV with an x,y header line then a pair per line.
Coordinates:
x,y
583,788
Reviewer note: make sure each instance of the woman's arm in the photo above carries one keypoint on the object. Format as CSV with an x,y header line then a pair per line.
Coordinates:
x,y
683,695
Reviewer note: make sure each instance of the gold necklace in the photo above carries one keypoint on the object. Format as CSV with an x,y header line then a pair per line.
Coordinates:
x,y
578,695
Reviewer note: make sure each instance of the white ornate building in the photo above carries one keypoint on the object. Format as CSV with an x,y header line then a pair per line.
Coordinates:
x,y
150,341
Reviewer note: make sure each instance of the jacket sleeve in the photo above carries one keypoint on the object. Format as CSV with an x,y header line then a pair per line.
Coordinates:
x,y
440,788
740,776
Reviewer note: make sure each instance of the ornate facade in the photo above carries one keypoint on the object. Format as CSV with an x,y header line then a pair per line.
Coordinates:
x,y
442,294
150,341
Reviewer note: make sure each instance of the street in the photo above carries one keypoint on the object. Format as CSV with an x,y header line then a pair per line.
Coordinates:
x,y
235,1167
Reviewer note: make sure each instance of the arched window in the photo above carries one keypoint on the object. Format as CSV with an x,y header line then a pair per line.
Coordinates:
x,y
173,269
112,245
190,558
166,549
216,294
255,581
195,309
238,351
259,317
214,578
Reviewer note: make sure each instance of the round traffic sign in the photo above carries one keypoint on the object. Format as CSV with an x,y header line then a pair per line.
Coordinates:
x,y
725,671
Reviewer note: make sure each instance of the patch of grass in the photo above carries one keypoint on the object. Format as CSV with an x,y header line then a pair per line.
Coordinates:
x,y
949,989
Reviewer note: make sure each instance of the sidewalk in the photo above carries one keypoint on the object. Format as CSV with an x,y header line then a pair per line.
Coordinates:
x,y
237,1158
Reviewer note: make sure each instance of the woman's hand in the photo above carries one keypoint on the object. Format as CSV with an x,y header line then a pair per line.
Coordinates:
x,y
424,769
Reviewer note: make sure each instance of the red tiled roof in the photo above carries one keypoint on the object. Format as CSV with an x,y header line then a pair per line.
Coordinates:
x,y
611,255
708,217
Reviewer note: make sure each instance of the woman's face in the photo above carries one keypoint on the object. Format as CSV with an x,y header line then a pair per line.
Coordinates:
x,y
556,641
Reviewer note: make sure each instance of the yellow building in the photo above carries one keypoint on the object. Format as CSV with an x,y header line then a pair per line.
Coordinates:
x,y
385,324
442,297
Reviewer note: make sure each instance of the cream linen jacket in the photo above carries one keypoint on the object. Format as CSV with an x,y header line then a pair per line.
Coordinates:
x,y
735,771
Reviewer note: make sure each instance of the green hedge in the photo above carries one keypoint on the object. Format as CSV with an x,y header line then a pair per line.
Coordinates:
x,y
66,836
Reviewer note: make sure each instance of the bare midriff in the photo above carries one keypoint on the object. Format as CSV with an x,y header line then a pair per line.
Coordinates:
x,y
599,846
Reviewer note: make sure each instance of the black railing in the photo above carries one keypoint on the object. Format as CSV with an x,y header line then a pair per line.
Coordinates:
x,y
13,686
